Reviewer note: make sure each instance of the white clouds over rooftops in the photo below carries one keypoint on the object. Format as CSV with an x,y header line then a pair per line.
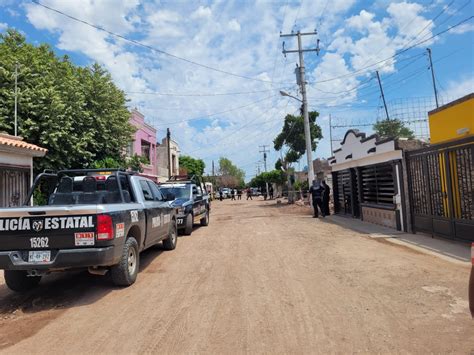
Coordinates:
x,y
240,37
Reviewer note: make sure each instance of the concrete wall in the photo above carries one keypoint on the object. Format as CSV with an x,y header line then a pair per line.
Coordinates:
x,y
162,159
452,121
382,217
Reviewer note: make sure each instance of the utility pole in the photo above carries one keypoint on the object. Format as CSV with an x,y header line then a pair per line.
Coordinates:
x,y
16,99
168,139
433,77
302,84
264,151
383,96
213,174
330,133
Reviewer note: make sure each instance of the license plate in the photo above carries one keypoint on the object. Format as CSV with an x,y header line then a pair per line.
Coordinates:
x,y
180,220
39,256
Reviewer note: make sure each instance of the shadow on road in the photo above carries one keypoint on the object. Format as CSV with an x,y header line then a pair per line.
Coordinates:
x,y
66,289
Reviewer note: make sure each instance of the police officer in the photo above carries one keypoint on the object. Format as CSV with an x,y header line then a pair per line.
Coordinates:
x,y
317,193
327,192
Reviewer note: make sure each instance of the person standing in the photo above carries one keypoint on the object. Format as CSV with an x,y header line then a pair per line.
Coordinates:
x,y
270,190
221,193
232,194
239,194
249,193
326,197
317,192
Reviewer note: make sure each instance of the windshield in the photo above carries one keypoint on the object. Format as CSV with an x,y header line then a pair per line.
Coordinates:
x,y
177,191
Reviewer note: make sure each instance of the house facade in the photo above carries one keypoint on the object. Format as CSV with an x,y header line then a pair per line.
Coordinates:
x,y
165,156
370,177
144,144
16,169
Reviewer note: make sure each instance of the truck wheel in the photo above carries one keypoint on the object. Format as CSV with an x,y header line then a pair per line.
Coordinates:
x,y
126,271
188,229
170,242
205,219
19,281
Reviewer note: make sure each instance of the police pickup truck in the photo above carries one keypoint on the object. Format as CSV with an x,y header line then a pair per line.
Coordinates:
x,y
95,219
191,201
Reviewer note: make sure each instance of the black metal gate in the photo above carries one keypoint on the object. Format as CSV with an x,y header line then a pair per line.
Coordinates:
x,y
441,183
14,184
346,192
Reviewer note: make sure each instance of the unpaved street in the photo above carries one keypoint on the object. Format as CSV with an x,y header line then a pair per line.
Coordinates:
x,y
260,278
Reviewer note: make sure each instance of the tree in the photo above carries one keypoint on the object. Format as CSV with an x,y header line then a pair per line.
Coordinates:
x,y
274,176
77,113
292,136
227,168
393,129
191,165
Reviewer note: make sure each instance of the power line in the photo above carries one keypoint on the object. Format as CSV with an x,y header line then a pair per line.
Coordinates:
x,y
197,94
138,43
217,113
357,72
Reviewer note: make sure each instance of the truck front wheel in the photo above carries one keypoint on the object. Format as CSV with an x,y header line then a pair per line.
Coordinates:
x,y
188,229
19,281
170,242
126,271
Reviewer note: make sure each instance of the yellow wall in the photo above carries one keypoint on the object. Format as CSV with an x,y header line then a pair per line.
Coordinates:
x,y
444,125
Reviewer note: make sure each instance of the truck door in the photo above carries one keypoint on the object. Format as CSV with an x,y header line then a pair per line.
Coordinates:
x,y
152,213
164,210
198,203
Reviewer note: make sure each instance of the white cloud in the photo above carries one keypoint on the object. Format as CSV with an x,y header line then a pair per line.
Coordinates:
x,y
460,88
234,25
464,28
3,26
202,12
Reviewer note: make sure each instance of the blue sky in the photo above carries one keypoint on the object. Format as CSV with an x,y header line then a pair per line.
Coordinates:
x,y
212,112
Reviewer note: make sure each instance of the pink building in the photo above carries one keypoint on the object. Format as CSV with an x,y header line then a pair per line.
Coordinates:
x,y
144,144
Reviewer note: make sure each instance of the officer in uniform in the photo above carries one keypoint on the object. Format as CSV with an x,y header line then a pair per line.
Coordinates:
x,y
317,193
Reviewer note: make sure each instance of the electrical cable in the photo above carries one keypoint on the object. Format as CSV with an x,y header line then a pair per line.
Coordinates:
x,y
138,43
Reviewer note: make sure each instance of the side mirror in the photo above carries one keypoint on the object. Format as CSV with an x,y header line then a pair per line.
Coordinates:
x,y
170,196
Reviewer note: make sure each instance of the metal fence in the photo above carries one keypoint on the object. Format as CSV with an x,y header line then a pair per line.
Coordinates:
x,y
441,184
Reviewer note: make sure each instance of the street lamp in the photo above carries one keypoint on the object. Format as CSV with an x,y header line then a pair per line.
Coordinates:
x,y
307,135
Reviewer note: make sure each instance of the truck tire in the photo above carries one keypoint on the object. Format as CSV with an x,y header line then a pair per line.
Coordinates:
x,y
205,219
19,281
170,242
188,229
126,271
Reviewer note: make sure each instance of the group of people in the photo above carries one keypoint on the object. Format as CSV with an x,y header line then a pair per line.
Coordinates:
x,y
320,192
239,192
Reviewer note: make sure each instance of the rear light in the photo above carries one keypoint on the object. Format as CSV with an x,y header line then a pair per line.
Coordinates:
x,y
101,177
105,229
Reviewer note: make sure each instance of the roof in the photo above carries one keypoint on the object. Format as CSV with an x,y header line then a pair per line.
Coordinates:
x,y
17,144
452,103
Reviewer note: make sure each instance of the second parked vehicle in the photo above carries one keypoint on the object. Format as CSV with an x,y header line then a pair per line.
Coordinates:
x,y
190,199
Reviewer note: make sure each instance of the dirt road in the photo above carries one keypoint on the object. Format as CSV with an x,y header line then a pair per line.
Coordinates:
x,y
260,278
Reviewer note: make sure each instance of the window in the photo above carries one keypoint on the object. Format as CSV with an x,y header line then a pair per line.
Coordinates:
x,y
378,186
146,147
156,192
147,194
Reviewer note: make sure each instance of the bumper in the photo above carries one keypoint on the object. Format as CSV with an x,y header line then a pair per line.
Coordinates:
x,y
181,221
61,259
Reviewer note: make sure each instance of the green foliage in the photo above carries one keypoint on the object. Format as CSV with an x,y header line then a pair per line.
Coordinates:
x,y
134,163
274,176
77,113
227,168
301,185
393,129
292,136
191,165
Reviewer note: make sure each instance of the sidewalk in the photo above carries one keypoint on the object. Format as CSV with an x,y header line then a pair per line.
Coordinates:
x,y
443,248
